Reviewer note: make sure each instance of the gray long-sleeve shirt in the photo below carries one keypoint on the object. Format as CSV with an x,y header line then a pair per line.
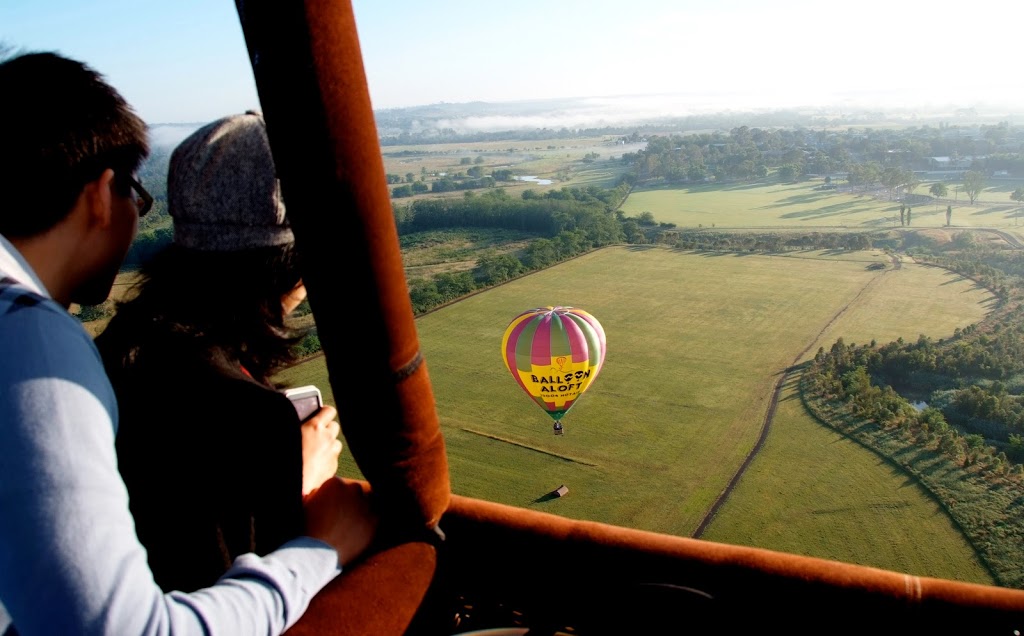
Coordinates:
x,y
70,562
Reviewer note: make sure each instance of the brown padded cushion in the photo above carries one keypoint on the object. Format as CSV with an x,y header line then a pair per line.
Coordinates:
x,y
601,579
379,595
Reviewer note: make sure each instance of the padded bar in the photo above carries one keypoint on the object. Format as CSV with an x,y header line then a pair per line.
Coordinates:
x,y
312,87
599,578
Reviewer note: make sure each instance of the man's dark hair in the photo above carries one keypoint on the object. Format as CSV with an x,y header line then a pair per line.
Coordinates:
x,y
61,126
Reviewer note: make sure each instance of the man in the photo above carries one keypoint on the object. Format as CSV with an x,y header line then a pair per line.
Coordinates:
x,y
70,562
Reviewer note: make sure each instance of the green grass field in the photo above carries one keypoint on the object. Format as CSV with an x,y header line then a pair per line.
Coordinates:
x,y
813,491
696,343
796,206
780,509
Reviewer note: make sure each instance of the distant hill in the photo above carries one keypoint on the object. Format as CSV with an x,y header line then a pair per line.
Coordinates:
x,y
537,119
170,135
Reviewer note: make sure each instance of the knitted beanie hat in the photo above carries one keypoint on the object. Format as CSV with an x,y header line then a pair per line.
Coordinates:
x,y
222,188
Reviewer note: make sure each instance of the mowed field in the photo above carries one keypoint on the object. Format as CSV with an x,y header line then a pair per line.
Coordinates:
x,y
696,343
800,205
786,498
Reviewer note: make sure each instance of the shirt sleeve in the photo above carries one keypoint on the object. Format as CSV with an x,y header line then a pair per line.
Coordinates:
x,y
70,561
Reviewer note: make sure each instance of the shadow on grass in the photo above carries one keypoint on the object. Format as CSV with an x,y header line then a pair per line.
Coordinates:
x,y
747,186
1007,188
990,210
955,279
496,438
795,199
641,248
544,498
848,207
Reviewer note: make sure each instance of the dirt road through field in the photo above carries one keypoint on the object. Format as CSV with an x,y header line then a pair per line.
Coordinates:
x,y
766,424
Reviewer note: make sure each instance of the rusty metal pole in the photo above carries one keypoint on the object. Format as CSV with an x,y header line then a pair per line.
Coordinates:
x,y
312,87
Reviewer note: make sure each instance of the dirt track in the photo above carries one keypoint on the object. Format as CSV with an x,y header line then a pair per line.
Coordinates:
x,y
769,416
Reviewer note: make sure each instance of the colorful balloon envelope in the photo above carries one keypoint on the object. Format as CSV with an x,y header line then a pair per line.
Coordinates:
x,y
554,354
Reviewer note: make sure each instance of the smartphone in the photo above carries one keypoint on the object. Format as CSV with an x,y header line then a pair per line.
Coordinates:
x,y
306,399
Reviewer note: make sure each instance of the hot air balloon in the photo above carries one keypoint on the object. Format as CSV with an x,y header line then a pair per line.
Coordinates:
x,y
554,353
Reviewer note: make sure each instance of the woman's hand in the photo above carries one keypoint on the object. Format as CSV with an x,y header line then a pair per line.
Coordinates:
x,y
321,449
340,513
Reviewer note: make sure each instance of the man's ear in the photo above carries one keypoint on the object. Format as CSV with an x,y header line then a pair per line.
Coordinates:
x,y
99,199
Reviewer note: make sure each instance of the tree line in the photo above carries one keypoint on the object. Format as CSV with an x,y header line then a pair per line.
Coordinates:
x,y
765,242
870,157
567,221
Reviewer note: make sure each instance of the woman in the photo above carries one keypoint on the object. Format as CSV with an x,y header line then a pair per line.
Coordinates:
x,y
214,456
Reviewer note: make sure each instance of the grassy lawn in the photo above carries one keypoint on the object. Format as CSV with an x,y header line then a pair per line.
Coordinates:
x,y
696,343
796,206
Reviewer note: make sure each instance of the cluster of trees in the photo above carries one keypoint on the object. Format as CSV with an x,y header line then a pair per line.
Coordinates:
x,y
1005,411
954,375
870,157
844,374
148,242
590,209
472,179
696,158
895,178
765,242
1012,163
309,345
405,191
568,222
451,184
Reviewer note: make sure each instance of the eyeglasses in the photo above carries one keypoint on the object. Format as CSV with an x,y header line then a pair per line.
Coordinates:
x,y
143,200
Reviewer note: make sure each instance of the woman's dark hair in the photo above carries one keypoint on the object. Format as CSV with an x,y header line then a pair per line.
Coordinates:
x,y
223,302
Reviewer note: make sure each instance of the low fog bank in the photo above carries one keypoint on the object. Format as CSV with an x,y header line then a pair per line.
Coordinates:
x,y
647,110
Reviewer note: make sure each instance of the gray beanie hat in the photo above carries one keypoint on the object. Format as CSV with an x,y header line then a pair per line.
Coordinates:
x,y
222,188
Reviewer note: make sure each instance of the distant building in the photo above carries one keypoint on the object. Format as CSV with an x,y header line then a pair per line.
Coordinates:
x,y
949,163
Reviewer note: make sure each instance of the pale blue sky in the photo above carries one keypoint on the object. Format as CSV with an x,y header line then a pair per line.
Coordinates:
x,y
185,60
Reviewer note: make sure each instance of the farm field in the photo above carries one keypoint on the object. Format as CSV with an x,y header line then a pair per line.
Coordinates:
x,y
696,343
559,160
787,509
793,498
798,206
